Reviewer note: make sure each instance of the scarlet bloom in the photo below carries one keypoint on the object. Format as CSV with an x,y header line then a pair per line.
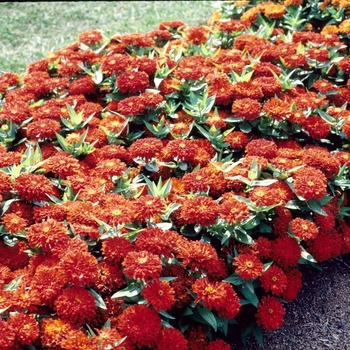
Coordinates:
x,y
233,211
146,148
83,85
43,129
179,150
317,127
237,139
81,268
132,82
171,338
200,210
53,330
303,228
110,167
133,105
261,148
13,222
274,280
248,266
197,35
90,37
309,183
141,325
201,256
142,265
294,284
147,206
218,344
76,305
33,187
50,235
218,295
286,252
24,326
159,294
270,313
276,109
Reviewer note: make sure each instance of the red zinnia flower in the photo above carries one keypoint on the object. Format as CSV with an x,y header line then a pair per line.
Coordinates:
x,y
53,330
294,284
303,228
133,105
233,211
171,338
141,325
200,210
142,265
13,222
33,187
159,294
317,127
43,129
270,313
81,268
50,235
90,37
24,326
248,266
218,295
309,183
146,148
76,305
237,139
274,280
132,82
218,344
83,85
286,252
201,256
261,148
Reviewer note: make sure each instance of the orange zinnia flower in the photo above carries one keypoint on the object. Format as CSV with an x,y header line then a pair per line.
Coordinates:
x,y
248,266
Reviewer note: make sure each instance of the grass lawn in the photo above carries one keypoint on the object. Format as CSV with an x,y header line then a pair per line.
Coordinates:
x,y
28,30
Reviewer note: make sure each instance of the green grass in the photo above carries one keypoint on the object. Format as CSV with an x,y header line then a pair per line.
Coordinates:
x,y
28,30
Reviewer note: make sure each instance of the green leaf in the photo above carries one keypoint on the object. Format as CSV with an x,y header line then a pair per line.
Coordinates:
x,y
234,279
98,299
314,205
250,296
13,285
165,314
130,291
208,316
243,237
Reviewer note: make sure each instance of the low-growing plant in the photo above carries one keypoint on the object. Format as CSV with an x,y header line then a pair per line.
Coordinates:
x,y
162,190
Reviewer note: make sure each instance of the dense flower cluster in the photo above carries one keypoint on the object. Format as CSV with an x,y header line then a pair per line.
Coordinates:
x,y
157,187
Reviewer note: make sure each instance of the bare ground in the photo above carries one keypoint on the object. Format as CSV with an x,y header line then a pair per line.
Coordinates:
x,y
319,318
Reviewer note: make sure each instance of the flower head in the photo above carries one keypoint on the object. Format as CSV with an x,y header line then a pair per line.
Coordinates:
x,y
270,313
248,266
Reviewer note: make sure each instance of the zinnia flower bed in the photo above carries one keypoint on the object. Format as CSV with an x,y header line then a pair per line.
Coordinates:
x,y
162,190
